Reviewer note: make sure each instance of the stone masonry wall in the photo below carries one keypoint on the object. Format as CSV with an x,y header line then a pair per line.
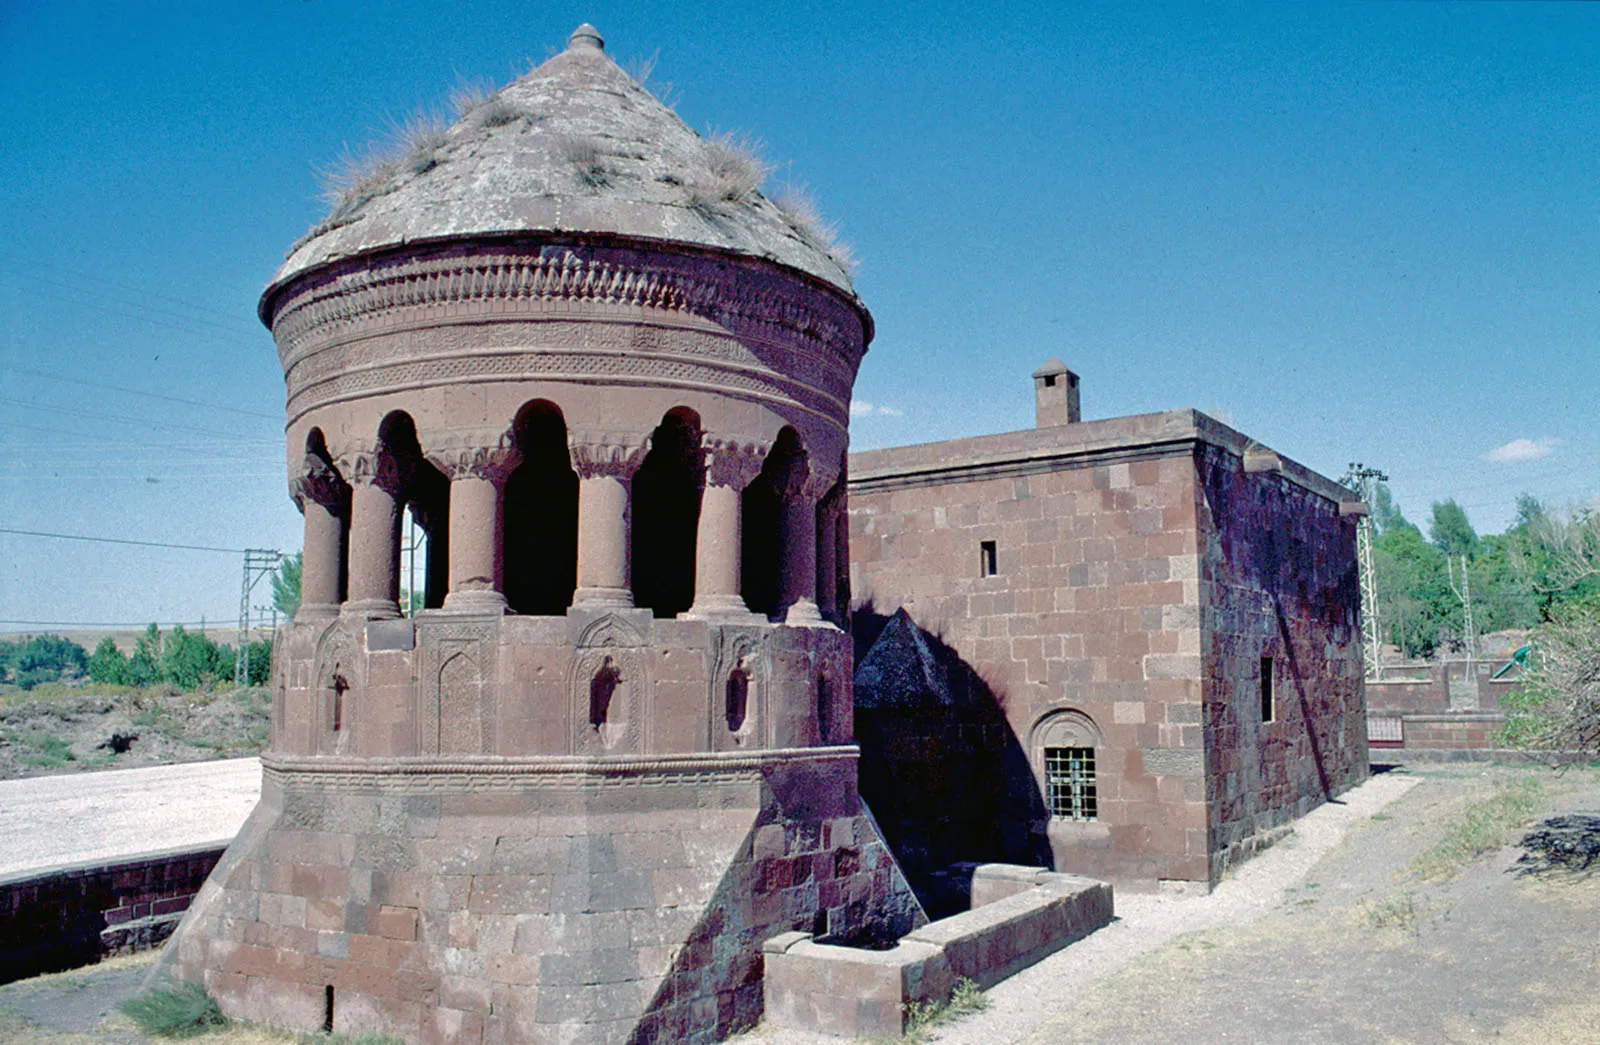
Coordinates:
x,y
523,902
70,916
1093,610
1278,576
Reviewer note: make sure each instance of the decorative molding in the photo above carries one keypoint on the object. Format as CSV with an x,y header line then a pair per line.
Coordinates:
x,y
498,281
517,773
607,453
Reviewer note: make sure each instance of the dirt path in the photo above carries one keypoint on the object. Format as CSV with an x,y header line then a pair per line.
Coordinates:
x,y
55,820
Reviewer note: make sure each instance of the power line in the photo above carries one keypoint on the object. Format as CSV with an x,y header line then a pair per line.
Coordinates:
x,y
143,422
100,281
210,624
135,392
123,540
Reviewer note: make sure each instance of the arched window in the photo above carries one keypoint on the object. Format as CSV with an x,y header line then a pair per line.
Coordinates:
x,y
1065,748
541,516
666,516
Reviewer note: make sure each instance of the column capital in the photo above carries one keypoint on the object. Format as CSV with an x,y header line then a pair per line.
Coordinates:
x,y
321,483
376,466
480,453
732,463
806,484
599,453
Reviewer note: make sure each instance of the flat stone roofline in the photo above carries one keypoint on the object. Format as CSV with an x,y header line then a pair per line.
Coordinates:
x,y
1036,450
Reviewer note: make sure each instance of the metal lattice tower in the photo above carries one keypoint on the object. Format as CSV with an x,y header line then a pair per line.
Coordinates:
x,y
1365,480
258,563
1469,633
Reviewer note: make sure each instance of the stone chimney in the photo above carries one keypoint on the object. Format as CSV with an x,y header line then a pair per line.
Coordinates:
x,y
1055,395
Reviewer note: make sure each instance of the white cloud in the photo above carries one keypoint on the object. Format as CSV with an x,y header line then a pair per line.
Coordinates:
x,y
889,411
1523,450
860,408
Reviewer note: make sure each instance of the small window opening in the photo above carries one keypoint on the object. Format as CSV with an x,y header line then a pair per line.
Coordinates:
x,y
738,702
1267,708
1049,380
824,707
601,690
1069,782
327,1009
339,688
988,558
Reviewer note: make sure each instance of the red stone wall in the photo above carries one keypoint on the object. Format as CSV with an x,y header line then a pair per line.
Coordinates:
x,y
1278,577
1093,609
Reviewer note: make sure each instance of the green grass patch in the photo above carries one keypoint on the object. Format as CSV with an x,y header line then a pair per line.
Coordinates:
x,y
968,997
369,1038
180,1011
1394,912
1479,828
49,752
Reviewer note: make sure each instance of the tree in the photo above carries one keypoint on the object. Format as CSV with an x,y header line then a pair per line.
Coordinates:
x,y
190,659
42,658
286,585
1450,531
1386,515
108,665
1414,592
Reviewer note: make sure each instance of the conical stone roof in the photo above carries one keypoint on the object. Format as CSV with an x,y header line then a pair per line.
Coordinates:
x,y
576,146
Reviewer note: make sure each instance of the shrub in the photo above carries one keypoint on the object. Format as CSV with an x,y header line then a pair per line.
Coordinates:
x,y
586,160
179,1011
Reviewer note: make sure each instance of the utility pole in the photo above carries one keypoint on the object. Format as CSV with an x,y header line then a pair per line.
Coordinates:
x,y
1464,593
1365,480
258,563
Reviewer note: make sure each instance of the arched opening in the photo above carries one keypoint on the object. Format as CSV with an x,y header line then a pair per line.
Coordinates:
x,y
738,700
425,496
541,515
1064,749
761,533
666,515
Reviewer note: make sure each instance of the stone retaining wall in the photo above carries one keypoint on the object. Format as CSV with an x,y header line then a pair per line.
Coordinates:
x,y
65,917
851,992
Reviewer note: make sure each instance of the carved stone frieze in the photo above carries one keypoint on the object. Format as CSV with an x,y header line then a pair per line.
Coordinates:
x,y
607,453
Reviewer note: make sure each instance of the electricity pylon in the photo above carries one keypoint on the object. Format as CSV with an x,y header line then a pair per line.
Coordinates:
x,y
258,563
1365,480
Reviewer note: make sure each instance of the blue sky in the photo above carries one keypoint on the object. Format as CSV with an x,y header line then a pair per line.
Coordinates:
x,y
1357,232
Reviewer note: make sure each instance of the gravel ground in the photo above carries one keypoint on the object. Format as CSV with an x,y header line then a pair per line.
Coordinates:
x,y
74,818
1145,922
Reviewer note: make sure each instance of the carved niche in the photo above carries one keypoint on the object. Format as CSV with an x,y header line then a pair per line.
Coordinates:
x,y
739,682
607,688
340,674
455,674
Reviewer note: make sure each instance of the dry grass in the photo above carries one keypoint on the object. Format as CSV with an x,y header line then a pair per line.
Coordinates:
x,y
733,171
799,208
483,107
413,147
584,156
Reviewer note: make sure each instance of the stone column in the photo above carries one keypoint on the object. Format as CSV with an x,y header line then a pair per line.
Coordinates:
x,y
325,500
377,485
800,496
730,467
477,467
605,465
827,561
